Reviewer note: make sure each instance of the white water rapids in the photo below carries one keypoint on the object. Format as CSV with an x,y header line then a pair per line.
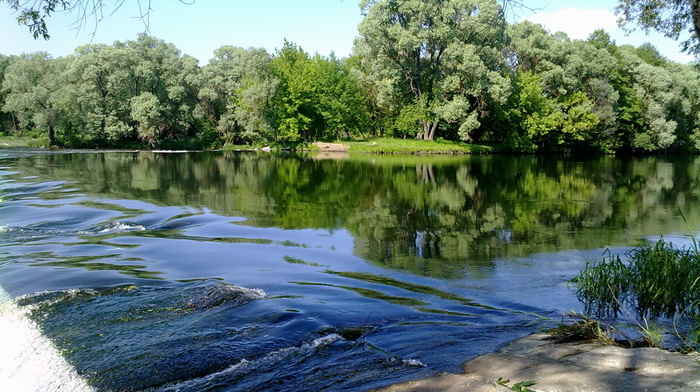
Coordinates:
x,y
29,362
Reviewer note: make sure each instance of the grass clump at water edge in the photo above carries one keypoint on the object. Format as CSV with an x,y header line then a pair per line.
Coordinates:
x,y
659,280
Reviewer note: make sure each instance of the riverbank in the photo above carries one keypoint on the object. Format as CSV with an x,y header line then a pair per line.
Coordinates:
x,y
574,366
373,146
416,146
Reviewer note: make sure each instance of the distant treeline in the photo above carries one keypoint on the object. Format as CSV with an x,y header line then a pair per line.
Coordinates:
x,y
455,71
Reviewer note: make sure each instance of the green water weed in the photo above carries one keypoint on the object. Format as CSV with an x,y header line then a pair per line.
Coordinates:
x,y
517,387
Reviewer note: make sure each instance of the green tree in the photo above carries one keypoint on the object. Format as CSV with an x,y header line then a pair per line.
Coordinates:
x,y
6,122
661,103
237,92
441,57
554,79
30,86
104,79
293,107
108,85
542,122
171,77
146,111
337,95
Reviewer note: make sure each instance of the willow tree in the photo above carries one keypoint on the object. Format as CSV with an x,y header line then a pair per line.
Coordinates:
x,y
439,60
31,88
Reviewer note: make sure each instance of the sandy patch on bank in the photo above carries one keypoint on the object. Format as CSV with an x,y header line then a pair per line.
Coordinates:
x,y
569,367
331,147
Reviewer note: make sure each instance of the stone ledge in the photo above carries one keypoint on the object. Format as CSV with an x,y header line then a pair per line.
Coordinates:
x,y
569,367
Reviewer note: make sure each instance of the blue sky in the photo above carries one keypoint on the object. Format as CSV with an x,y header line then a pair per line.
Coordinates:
x,y
322,26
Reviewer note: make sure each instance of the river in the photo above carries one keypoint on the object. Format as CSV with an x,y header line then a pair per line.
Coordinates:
x,y
239,271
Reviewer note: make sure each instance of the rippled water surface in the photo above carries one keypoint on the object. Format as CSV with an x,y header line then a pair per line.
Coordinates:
x,y
246,272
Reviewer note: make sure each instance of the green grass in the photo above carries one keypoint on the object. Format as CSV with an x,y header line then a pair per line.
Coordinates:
x,y
237,147
22,141
659,280
415,146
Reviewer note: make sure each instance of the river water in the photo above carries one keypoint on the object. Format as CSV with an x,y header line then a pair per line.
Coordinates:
x,y
217,271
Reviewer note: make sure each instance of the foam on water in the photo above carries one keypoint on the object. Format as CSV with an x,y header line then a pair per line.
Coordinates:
x,y
120,227
29,362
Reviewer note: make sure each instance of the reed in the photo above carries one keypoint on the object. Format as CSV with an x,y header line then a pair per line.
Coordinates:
x,y
659,280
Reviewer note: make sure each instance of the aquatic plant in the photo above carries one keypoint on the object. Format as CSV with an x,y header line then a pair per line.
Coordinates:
x,y
659,280
517,387
583,328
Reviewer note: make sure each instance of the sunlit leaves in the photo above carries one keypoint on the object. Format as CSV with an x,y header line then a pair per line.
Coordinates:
x,y
435,52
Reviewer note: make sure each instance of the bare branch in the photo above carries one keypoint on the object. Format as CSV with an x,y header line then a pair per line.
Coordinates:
x,y
33,13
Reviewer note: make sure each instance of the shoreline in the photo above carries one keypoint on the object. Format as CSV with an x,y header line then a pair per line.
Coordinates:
x,y
567,367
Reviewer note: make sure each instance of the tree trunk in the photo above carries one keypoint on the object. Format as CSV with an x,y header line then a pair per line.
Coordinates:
x,y
429,128
52,136
695,13
425,133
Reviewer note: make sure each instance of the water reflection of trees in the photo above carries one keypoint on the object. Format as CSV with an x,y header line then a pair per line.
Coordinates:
x,y
431,216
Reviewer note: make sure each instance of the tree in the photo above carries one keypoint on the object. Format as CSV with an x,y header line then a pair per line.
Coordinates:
x,y
105,81
6,122
236,94
671,18
293,108
338,99
135,89
439,58
172,78
30,87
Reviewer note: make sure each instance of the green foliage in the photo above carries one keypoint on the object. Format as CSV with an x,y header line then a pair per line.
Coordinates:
x,y
658,281
236,93
145,110
517,387
442,57
31,87
430,69
603,287
541,122
33,15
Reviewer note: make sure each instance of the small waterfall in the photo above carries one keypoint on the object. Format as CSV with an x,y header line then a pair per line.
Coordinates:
x,y
29,362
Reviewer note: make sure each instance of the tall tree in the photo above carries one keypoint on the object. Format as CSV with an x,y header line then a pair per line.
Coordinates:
x,y
171,83
293,106
236,94
30,87
440,59
6,122
104,79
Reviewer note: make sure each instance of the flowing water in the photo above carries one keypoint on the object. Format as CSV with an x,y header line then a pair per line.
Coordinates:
x,y
141,271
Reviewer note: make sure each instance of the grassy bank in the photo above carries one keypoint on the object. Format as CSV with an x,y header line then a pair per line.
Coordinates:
x,y
415,146
22,141
372,146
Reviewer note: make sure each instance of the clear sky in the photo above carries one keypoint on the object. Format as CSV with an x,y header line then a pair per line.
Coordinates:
x,y
322,26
